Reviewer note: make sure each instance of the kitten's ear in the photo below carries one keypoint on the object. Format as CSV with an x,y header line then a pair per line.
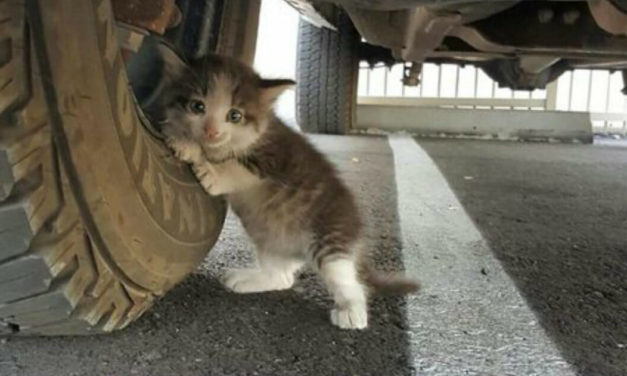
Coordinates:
x,y
271,89
173,64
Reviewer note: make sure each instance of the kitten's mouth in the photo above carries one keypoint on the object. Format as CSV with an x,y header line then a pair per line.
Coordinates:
x,y
218,142
217,154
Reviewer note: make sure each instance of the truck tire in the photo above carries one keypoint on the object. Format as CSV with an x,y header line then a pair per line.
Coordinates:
x,y
96,218
327,67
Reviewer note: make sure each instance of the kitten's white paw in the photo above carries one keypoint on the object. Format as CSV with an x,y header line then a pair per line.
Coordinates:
x,y
354,316
207,176
254,280
185,150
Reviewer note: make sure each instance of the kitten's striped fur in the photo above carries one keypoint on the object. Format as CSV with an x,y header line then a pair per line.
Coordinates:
x,y
288,196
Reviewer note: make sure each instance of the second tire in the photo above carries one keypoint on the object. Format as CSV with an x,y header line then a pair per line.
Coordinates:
x,y
327,68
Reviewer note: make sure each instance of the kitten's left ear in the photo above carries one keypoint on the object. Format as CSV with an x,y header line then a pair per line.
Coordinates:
x,y
271,89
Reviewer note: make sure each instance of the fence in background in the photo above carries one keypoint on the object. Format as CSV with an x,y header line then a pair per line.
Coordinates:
x,y
451,86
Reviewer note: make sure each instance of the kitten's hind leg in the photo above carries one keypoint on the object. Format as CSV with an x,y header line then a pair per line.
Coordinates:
x,y
340,276
273,273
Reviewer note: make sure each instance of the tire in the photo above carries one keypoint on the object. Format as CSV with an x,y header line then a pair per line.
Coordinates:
x,y
327,67
96,221
238,30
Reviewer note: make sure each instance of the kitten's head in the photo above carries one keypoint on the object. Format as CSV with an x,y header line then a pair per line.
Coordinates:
x,y
218,102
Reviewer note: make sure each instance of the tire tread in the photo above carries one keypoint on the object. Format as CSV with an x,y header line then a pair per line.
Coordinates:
x,y
51,281
327,67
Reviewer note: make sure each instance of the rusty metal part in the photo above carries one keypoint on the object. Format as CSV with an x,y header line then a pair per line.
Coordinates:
x,y
411,75
155,15
520,29
608,16
425,33
479,41
413,34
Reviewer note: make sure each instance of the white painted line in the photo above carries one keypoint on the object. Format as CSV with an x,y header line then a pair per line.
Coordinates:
x,y
463,322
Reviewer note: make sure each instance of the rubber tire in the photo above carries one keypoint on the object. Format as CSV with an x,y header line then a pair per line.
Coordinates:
x,y
327,68
97,219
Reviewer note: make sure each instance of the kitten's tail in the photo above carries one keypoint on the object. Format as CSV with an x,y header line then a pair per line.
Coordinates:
x,y
389,283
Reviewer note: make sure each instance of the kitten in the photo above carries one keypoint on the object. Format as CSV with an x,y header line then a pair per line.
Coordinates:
x,y
288,197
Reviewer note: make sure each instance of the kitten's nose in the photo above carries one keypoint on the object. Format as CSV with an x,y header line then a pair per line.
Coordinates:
x,y
211,132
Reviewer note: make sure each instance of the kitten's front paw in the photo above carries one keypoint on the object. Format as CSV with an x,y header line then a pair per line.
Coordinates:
x,y
206,175
254,280
185,150
354,316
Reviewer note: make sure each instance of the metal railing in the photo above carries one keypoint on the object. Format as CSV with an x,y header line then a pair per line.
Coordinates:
x,y
451,86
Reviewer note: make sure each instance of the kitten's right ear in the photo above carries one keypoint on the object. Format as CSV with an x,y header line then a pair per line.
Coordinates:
x,y
173,64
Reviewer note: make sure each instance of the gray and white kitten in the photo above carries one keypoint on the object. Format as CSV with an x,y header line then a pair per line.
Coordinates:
x,y
219,118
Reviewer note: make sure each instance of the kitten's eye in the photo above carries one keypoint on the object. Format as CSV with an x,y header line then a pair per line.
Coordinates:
x,y
234,116
196,107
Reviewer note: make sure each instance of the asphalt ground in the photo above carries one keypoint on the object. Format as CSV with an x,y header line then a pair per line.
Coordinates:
x,y
521,250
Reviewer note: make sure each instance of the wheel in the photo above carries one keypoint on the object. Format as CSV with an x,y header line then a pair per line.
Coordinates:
x,y
96,220
327,66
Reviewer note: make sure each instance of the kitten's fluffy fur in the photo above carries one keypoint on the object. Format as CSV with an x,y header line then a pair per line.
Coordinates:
x,y
287,195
